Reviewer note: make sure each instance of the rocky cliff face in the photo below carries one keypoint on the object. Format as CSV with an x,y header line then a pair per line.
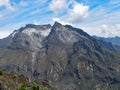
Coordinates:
x,y
67,57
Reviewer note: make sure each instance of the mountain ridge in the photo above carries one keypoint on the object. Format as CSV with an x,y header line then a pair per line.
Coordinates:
x,y
67,57
113,40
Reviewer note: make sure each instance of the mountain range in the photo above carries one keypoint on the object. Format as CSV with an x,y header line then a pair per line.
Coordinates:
x,y
67,57
113,40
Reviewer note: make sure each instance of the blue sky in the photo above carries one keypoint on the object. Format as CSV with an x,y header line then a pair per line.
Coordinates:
x,y
97,17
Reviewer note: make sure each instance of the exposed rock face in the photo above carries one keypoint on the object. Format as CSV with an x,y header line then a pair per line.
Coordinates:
x,y
30,37
67,57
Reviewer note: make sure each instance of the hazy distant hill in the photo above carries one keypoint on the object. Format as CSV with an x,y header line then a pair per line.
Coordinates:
x,y
113,40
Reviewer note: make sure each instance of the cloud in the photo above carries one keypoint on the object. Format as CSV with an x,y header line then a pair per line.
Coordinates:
x,y
63,22
35,11
58,5
36,22
75,13
4,34
108,30
78,13
7,4
103,30
102,21
6,30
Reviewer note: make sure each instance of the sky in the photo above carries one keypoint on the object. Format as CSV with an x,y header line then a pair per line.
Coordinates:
x,y
96,17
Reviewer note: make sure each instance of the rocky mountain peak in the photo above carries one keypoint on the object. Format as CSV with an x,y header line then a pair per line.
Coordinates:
x,y
38,27
66,34
57,24
31,36
65,56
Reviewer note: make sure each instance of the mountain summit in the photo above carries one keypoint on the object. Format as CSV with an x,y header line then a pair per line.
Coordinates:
x,y
66,57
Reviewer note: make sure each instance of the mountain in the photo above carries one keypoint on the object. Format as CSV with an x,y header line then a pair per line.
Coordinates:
x,y
67,57
113,40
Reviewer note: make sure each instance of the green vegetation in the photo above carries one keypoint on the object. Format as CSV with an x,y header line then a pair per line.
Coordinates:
x,y
23,87
44,88
16,81
1,72
38,87
15,76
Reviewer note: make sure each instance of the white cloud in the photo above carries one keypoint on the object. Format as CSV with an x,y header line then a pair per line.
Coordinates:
x,y
9,28
102,22
36,22
35,12
62,22
58,5
75,13
7,4
104,16
78,13
104,30
108,30
4,34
